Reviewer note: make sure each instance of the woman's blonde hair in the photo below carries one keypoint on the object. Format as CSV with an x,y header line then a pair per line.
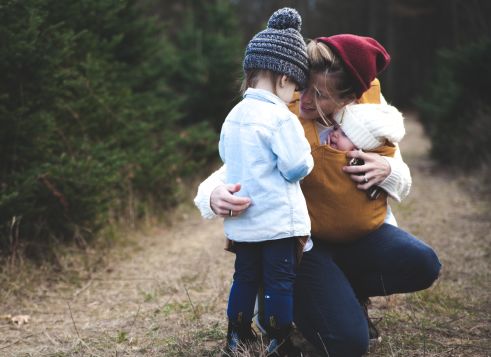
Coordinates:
x,y
338,83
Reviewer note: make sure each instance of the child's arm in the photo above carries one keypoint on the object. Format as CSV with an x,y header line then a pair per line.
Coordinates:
x,y
292,149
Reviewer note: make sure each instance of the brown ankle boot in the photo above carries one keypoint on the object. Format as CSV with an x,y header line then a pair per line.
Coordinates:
x,y
238,333
281,344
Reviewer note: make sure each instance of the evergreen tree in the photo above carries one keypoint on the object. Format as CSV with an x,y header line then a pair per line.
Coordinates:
x,y
90,121
456,106
210,53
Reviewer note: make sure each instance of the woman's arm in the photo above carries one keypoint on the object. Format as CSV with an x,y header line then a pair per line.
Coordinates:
x,y
390,173
215,198
398,183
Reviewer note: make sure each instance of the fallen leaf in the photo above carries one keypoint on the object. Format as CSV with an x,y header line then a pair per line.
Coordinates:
x,y
20,319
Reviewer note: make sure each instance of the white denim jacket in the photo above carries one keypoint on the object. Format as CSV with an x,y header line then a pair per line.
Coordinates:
x,y
264,147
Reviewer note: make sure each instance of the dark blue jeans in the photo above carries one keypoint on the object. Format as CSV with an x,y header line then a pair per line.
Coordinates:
x,y
271,264
332,277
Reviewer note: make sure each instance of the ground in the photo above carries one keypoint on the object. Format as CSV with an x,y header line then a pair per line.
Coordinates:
x,y
164,292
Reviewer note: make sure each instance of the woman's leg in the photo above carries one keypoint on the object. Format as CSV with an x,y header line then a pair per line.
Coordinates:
x,y
387,261
327,311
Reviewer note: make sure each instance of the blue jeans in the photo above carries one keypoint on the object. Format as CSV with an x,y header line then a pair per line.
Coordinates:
x,y
332,277
271,264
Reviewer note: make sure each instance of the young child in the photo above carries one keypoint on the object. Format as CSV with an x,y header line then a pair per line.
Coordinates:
x,y
349,214
264,147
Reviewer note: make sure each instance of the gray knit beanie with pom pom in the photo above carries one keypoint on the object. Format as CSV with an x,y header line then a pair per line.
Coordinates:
x,y
280,47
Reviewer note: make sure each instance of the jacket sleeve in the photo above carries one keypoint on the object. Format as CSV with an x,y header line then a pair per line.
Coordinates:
x,y
202,199
398,183
292,150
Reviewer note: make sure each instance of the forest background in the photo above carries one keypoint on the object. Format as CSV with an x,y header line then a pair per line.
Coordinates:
x,y
109,107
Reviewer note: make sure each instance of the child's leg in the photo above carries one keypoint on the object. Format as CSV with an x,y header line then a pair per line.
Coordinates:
x,y
279,259
246,281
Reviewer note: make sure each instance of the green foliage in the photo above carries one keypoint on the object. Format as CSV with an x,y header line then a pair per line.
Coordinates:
x,y
211,49
91,121
456,107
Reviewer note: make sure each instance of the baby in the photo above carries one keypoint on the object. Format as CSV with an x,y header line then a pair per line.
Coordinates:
x,y
347,213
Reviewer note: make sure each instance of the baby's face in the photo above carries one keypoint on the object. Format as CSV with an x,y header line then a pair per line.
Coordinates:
x,y
338,140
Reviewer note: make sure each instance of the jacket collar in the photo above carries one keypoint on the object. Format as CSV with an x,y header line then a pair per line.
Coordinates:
x,y
263,95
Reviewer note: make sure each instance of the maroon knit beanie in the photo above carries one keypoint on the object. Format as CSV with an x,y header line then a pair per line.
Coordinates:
x,y
363,57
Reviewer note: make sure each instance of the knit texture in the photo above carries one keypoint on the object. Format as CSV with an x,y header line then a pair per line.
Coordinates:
x,y
369,126
280,48
363,57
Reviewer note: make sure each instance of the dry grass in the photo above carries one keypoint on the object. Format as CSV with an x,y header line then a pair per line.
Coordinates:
x,y
453,318
164,292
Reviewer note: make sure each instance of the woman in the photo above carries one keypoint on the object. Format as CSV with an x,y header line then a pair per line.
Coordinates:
x,y
335,279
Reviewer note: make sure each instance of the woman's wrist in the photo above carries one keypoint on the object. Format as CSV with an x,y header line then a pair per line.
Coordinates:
x,y
392,177
202,200
398,182
205,190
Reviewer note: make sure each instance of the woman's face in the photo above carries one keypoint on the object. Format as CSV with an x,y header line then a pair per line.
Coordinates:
x,y
316,92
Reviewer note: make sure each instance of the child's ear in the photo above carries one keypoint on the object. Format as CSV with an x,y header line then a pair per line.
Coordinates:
x,y
283,81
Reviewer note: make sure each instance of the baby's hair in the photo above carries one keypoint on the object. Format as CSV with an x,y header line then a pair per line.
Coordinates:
x,y
338,83
252,76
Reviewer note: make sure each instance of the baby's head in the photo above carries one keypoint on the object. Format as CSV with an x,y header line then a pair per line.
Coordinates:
x,y
278,51
338,140
366,127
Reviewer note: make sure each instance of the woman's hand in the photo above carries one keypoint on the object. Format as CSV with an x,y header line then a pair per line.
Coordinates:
x,y
373,172
225,204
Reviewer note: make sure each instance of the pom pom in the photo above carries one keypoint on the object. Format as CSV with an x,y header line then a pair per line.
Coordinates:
x,y
285,18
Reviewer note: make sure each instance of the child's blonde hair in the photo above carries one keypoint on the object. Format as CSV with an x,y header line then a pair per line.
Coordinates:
x,y
252,77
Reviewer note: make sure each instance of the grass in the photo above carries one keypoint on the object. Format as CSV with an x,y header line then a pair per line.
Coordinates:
x,y
163,290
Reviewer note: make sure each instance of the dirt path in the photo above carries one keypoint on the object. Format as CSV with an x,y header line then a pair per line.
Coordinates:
x,y
165,293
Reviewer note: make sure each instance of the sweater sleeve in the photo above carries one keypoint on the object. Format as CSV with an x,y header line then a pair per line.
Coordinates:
x,y
202,199
398,183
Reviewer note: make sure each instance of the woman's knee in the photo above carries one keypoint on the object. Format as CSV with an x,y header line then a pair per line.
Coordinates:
x,y
427,265
433,266
417,260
